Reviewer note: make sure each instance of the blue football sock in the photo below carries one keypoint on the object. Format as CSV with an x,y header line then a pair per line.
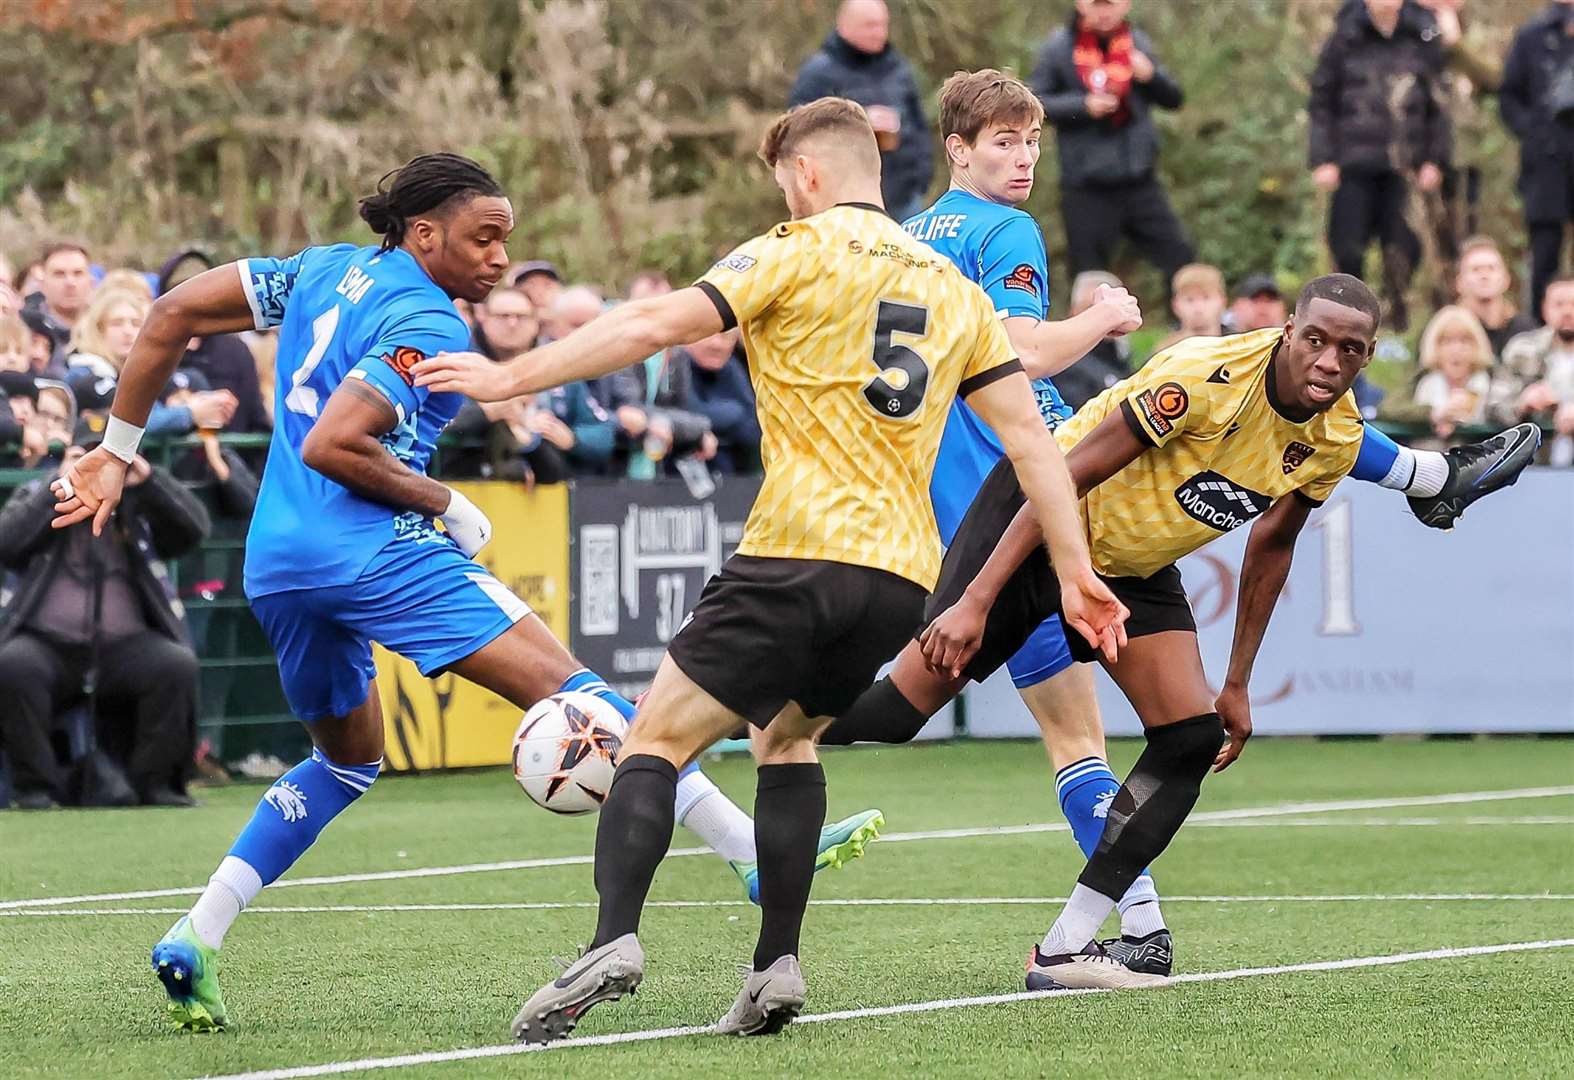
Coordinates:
x,y
585,681
1376,458
295,809
1085,789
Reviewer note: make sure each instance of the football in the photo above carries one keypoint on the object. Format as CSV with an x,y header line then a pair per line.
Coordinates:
x,y
566,750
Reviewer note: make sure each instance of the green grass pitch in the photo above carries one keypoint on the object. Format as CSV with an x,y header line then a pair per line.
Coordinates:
x,y
317,987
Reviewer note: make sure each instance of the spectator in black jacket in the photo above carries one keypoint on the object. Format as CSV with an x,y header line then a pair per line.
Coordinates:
x,y
1378,127
1537,100
858,62
723,393
90,616
1099,83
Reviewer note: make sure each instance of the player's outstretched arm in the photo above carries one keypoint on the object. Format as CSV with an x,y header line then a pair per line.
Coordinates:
x,y
628,333
1048,348
1264,570
213,302
1007,406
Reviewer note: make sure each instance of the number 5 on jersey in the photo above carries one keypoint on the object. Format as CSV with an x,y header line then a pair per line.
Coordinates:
x,y
898,398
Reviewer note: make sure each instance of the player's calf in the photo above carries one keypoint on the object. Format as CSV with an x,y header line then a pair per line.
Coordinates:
x,y
1143,818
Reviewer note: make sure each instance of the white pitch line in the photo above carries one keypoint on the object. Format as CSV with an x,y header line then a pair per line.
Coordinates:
x,y
851,902
1280,810
944,1004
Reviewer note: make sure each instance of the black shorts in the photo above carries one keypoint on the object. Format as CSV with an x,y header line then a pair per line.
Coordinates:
x,y
769,631
1157,602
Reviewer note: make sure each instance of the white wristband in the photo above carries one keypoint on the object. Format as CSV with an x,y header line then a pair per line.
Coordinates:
x,y
122,439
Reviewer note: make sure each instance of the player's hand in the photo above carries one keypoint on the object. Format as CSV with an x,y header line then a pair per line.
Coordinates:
x,y
467,373
1429,177
1125,313
89,487
953,639
467,526
1326,177
1087,604
1235,709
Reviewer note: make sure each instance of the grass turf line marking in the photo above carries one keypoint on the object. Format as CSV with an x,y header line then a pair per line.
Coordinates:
x,y
944,1004
943,901
1280,810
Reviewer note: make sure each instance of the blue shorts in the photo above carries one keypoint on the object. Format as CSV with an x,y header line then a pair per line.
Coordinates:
x,y
424,601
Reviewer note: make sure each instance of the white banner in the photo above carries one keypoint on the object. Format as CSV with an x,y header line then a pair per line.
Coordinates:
x,y
1387,626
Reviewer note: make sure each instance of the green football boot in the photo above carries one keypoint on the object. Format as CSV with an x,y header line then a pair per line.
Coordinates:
x,y
189,971
840,843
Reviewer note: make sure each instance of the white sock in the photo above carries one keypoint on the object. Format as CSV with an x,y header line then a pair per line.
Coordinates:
x,y
233,885
707,813
1081,918
1140,920
1419,473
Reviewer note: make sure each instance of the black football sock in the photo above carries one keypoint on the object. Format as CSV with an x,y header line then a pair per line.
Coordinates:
x,y
789,811
632,838
1150,806
881,714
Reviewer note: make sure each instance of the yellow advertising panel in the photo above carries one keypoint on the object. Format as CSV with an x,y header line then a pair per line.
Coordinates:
x,y
447,722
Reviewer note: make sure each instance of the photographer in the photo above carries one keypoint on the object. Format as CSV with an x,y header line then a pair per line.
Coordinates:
x,y
91,617
1537,99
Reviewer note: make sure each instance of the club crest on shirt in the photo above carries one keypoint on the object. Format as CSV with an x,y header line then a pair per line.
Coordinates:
x,y
1024,279
403,360
1164,405
1295,456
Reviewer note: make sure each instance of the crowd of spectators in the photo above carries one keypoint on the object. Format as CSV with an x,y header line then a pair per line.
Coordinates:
x,y
1399,101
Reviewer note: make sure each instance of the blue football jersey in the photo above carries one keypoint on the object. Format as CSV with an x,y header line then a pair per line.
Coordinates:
x,y
1002,249
343,312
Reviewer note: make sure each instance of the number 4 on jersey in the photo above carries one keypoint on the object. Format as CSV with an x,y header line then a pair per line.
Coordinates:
x,y
891,318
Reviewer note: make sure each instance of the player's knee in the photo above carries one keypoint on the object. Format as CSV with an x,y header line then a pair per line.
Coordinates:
x,y
1186,748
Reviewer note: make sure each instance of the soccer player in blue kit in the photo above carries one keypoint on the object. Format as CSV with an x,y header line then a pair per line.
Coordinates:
x,y
343,548
991,124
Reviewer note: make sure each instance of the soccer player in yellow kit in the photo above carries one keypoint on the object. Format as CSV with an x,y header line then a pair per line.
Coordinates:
x,y
859,337
1210,435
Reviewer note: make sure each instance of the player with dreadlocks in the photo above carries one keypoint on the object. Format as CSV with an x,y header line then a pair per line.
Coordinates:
x,y
343,548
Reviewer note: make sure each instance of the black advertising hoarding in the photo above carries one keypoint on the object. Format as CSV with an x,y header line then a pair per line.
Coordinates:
x,y
639,556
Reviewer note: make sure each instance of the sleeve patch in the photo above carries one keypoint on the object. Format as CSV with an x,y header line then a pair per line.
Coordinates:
x,y
737,262
403,360
1024,279
1164,405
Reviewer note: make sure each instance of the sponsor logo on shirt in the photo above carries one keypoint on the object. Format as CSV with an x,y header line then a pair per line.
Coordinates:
x,y
737,263
1163,406
403,361
1023,278
1219,502
1295,456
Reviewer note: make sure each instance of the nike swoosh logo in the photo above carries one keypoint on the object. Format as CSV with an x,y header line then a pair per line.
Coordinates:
x,y
1220,376
1233,428
754,997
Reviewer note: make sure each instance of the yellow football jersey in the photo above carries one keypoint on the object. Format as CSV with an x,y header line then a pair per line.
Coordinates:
x,y
1222,453
858,337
